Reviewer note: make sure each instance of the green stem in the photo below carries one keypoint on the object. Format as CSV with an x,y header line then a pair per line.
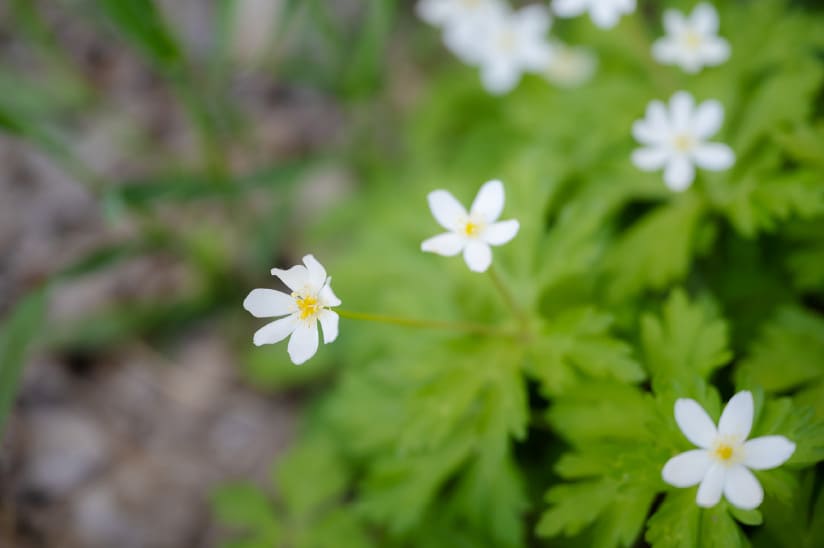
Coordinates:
x,y
509,299
479,329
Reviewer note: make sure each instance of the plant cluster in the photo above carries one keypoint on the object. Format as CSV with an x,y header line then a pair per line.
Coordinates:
x,y
623,313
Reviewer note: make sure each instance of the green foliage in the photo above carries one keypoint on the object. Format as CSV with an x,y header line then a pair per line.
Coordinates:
x,y
16,334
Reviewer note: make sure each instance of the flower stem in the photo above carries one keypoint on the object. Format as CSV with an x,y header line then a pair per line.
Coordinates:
x,y
509,299
475,328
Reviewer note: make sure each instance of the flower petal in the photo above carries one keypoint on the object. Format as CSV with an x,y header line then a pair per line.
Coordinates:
x,y
647,133
500,76
317,274
327,296
295,278
532,19
478,256
704,18
742,488
666,50
446,209
268,303
694,422
736,419
715,51
276,331
650,158
489,202
329,325
709,492
447,244
674,21
714,156
687,469
568,8
707,119
681,109
304,342
502,232
657,117
604,14
767,452
679,173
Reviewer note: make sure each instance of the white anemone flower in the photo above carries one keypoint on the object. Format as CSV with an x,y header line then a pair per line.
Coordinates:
x,y
722,464
675,140
463,23
570,66
474,231
308,303
604,13
691,42
513,43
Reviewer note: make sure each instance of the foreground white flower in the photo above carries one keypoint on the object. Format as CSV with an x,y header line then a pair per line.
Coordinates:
x,y
308,303
691,42
723,462
570,66
675,140
471,232
604,13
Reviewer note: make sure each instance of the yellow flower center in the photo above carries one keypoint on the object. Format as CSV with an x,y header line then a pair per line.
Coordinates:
x,y
692,39
471,229
683,143
723,451
507,41
307,306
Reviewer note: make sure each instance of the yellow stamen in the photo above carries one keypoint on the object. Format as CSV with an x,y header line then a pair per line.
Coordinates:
x,y
507,41
692,39
471,229
307,306
683,143
724,451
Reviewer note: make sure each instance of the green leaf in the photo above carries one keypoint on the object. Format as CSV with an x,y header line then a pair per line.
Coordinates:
x,y
248,510
688,340
311,475
789,352
657,250
676,522
20,329
577,345
141,22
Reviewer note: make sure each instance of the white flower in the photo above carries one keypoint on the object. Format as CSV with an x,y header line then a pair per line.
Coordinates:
x,y
512,43
675,140
463,22
691,42
604,13
723,462
303,308
471,232
570,66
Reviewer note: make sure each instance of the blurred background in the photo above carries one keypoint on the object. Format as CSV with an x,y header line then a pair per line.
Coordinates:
x,y
157,158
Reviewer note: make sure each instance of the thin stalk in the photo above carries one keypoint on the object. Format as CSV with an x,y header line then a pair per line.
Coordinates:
x,y
464,327
509,299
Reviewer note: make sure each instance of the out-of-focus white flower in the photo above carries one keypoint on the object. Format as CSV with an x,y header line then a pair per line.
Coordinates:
x,y
513,43
604,13
570,66
463,23
308,303
691,42
675,140
471,232
723,462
